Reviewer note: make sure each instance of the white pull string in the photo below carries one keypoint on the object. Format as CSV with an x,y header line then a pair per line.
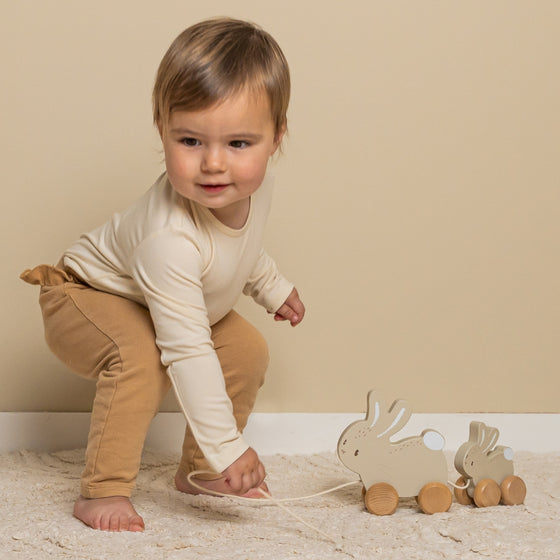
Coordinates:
x,y
277,502
192,474
458,486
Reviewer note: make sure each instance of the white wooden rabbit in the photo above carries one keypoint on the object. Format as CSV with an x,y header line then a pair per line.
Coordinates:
x,y
414,466
487,469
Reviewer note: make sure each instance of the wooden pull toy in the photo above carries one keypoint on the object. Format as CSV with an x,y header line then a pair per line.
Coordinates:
x,y
487,471
412,467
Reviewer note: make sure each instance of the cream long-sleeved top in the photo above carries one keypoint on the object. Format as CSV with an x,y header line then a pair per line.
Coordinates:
x,y
176,258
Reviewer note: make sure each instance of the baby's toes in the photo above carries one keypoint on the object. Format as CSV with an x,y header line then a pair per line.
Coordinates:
x,y
118,522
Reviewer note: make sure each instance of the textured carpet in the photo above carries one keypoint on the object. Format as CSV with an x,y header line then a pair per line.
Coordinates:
x,y
38,491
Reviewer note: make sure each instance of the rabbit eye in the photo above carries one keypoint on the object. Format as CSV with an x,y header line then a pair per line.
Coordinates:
x,y
472,463
344,442
356,452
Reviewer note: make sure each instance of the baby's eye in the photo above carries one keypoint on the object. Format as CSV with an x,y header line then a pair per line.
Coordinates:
x,y
191,142
238,144
356,453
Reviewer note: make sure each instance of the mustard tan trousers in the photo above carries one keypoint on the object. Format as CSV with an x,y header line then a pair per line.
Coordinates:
x,y
110,339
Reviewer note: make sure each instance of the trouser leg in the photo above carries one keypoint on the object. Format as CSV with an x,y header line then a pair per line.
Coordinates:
x,y
243,356
110,339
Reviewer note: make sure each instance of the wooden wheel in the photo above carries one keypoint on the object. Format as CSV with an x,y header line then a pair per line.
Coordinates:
x,y
381,499
513,491
461,494
435,497
487,493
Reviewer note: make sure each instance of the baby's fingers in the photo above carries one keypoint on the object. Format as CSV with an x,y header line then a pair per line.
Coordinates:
x,y
245,482
245,473
286,313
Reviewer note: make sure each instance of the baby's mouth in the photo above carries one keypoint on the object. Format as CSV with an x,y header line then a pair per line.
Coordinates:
x,y
214,187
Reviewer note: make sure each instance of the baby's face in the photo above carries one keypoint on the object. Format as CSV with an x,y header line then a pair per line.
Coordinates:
x,y
218,156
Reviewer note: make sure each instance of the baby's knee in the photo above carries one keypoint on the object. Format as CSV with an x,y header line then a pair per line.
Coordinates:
x,y
241,347
255,352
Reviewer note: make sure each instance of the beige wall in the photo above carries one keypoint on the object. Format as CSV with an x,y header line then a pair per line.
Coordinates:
x,y
418,200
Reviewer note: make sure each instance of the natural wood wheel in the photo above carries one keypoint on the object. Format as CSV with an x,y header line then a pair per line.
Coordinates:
x,y
381,499
513,490
435,497
461,494
487,493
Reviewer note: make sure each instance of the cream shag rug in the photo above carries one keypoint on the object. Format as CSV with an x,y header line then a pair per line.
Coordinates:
x,y
38,491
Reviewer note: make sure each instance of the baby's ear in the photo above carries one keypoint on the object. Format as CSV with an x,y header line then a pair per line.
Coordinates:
x,y
279,136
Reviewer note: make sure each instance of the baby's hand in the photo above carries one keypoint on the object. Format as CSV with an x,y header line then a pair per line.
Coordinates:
x,y
245,473
291,310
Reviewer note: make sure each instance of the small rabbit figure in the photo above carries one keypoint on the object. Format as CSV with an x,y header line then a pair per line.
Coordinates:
x,y
414,466
487,471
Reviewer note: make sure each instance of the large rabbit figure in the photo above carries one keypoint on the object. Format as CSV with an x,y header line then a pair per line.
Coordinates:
x,y
487,470
414,466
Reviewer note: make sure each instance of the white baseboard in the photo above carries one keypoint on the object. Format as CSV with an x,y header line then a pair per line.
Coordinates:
x,y
287,433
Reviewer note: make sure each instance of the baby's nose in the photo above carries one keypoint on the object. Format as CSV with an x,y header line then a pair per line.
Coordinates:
x,y
214,161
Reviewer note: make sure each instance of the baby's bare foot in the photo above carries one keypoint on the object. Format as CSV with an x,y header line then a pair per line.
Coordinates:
x,y
220,485
108,514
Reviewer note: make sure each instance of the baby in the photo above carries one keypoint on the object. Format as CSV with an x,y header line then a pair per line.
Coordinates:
x,y
145,301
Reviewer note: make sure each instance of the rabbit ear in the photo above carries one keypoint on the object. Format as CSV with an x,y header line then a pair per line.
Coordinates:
x,y
397,417
374,408
490,437
476,432
483,436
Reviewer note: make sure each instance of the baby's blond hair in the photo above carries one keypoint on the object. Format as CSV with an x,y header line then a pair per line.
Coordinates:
x,y
217,58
